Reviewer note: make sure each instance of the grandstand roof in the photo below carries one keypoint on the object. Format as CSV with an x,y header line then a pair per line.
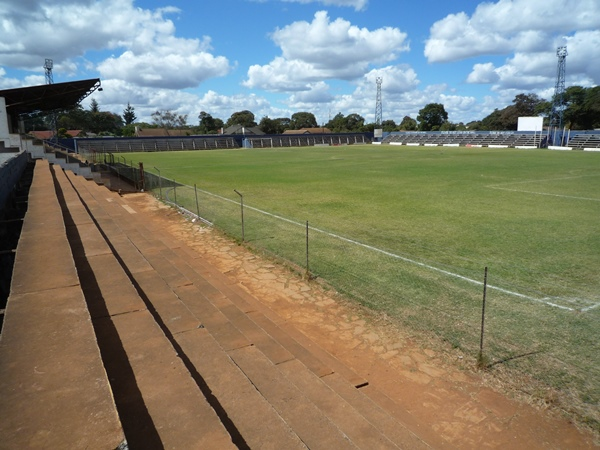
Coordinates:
x,y
47,97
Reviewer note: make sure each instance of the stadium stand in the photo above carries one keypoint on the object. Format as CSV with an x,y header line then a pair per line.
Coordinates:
x,y
119,145
307,140
585,141
466,139
130,306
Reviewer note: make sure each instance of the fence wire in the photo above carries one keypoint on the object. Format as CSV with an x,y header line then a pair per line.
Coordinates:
x,y
551,338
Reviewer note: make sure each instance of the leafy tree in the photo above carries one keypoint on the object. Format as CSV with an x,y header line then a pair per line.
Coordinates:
x,y
408,124
337,124
389,125
129,115
492,122
128,130
303,120
354,122
75,119
526,104
105,122
208,123
244,118
582,107
432,116
284,123
168,119
523,105
342,124
270,126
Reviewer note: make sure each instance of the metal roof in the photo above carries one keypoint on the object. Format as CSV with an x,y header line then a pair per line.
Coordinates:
x,y
47,97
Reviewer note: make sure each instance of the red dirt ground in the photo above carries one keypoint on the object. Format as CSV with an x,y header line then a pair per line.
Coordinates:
x,y
439,388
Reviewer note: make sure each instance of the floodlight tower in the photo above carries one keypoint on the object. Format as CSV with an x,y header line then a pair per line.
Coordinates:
x,y
48,64
558,101
378,105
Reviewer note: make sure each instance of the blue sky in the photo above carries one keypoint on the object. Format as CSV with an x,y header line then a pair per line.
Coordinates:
x,y
278,57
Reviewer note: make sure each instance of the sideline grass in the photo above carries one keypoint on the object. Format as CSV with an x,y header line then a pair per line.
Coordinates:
x,y
531,216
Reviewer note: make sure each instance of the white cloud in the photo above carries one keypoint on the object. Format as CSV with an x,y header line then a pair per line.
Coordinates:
x,y
506,26
483,74
536,71
318,93
324,49
150,53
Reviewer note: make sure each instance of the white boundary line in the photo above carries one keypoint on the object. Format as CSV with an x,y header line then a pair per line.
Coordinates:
x,y
402,258
499,187
545,193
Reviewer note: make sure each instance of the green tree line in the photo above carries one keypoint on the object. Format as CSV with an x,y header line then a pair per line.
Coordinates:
x,y
582,112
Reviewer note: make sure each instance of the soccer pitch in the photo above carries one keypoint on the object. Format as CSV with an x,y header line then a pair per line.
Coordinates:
x,y
409,231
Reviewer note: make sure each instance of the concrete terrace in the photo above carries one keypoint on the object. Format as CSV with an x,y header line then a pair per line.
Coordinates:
x,y
117,334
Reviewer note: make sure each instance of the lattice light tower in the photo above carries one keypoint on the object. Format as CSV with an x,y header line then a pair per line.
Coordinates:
x,y
48,64
378,104
558,102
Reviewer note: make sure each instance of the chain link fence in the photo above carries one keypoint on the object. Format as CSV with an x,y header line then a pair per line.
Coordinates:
x,y
548,331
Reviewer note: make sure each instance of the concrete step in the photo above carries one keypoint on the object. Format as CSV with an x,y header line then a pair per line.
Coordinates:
x,y
236,321
171,413
54,391
232,391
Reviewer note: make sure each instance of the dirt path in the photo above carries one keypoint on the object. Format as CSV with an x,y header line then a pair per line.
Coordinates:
x,y
437,387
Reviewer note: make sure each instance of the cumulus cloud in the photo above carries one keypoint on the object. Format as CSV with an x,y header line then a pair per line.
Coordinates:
x,y
66,30
324,49
536,71
483,74
506,26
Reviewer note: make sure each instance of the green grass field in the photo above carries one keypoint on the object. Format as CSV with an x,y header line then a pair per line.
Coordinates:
x,y
408,231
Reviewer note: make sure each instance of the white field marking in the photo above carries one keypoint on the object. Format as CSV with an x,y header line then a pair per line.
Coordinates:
x,y
500,187
589,308
401,258
546,193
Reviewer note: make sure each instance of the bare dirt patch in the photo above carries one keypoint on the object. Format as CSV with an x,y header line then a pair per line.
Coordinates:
x,y
439,388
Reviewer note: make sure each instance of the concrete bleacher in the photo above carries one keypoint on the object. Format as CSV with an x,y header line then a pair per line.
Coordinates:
x,y
585,141
121,145
306,140
116,330
466,139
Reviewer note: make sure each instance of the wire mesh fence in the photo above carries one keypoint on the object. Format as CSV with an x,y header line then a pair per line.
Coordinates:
x,y
548,332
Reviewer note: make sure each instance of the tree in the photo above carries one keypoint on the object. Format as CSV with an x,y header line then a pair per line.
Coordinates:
x,y
284,123
337,124
168,119
354,122
244,118
75,119
94,108
343,124
432,116
270,126
129,114
207,123
582,107
303,120
105,122
408,124
388,125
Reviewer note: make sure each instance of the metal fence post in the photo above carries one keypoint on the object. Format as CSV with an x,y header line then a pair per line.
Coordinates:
x,y
242,206
307,266
197,207
480,359
159,182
